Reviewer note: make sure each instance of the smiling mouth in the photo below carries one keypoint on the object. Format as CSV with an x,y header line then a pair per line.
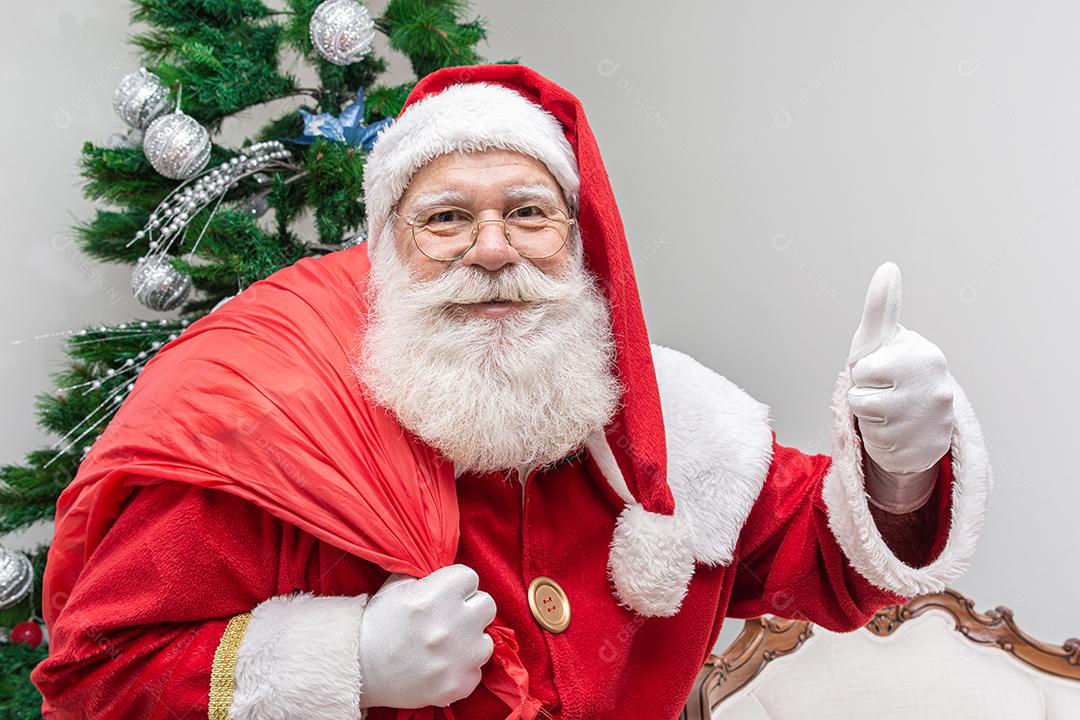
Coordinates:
x,y
492,308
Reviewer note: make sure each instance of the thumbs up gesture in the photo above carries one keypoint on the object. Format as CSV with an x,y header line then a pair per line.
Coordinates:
x,y
903,394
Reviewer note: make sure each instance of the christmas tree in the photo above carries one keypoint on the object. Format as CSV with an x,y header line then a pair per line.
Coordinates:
x,y
199,221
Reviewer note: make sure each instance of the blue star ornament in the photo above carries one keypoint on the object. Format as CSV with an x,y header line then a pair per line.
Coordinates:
x,y
347,128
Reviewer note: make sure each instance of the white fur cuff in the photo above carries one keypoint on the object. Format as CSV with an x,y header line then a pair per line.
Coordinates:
x,y
854,528
299,658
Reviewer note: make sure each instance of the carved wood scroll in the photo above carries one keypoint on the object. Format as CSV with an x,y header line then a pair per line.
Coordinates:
x,y
764,639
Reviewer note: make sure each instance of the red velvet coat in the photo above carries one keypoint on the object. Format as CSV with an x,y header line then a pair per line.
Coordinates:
x,y
757,528
176,545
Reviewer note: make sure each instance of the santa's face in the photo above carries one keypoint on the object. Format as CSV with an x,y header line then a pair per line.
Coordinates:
x,y
488,184
497,360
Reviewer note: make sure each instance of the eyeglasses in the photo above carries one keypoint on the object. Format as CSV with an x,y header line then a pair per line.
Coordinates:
x,y
447,233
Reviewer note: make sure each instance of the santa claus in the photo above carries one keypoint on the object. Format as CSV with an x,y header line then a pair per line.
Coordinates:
x,y
446,473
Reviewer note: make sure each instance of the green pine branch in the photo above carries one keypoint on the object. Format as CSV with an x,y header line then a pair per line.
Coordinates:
x,y
432,33
334,189
218,73
122,176
235,252
384,101
189,16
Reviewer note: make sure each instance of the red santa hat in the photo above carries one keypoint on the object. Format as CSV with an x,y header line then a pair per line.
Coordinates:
x,y
513,107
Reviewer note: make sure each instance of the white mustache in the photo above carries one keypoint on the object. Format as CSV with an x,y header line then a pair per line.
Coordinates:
x,y
516,283
490,394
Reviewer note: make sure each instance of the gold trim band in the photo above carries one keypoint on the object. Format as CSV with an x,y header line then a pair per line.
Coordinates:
x,y
223,671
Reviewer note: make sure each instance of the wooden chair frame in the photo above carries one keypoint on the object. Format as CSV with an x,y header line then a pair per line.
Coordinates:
x,y
764,639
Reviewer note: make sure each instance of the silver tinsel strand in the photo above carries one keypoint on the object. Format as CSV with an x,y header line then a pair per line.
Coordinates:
x,y
170,219
360,237
342,31
114,382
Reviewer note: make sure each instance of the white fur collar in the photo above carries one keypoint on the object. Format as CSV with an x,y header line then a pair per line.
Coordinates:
x,y
719,448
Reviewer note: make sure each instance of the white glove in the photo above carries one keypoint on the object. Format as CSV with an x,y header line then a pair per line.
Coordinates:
x,y
422,642
902,396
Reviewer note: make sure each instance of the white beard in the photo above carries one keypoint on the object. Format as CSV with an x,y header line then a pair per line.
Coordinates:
x,y
490,393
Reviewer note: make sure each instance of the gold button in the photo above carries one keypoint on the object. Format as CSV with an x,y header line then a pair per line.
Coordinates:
x,y
549,604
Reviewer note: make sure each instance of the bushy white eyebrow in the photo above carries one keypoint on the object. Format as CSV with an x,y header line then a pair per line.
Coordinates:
x,y
442,197
534,191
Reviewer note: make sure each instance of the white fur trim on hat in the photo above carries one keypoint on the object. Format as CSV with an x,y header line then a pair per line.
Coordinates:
x,y
469,117
854,528
719,448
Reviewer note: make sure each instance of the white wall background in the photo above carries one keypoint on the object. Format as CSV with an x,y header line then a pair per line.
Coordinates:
x,y
766,157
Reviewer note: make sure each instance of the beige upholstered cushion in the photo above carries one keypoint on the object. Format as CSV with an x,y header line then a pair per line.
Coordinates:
x,y
924,670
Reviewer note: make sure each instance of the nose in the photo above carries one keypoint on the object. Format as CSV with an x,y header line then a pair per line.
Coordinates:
x,y
491,251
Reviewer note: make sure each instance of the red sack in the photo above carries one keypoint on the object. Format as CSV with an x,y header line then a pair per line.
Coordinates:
x,y
257,399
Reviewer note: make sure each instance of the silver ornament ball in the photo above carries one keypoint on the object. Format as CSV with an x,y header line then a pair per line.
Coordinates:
x,y
130,140
177,146
16,577
342,31
158,285
140,98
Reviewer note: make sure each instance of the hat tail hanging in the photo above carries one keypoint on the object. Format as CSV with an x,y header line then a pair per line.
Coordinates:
x,y
650,562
